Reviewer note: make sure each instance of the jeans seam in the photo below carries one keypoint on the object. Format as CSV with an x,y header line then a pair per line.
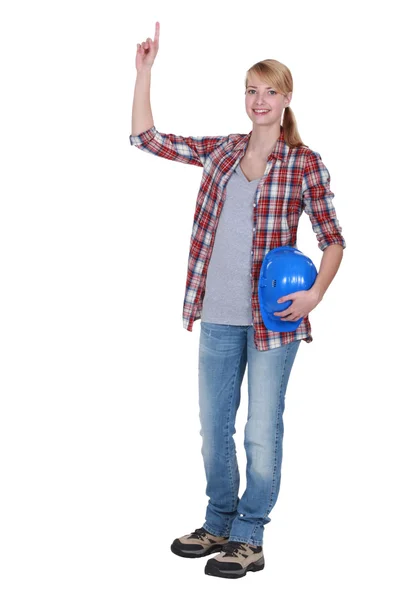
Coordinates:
x,y
230,458
276,434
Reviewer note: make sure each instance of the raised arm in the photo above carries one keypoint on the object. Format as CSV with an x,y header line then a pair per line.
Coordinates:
x,y
191,149
142,118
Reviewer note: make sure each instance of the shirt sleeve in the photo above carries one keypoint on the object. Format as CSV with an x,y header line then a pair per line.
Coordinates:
x,y
190,150
317,203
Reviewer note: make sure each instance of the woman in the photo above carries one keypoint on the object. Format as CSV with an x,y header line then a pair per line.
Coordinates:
x,y
262,181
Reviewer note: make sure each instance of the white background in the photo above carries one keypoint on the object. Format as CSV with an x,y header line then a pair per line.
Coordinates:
x,y
99,431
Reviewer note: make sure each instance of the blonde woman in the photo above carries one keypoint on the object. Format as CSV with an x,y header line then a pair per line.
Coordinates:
x,y
253,190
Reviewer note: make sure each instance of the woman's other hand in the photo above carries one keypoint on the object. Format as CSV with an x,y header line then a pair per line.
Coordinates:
x,y
303,303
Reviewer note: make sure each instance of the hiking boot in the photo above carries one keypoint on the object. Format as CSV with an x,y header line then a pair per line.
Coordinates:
x,y
198,543
235,559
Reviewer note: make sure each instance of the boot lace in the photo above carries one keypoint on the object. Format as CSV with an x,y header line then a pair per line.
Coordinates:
x,y
232,548
199,533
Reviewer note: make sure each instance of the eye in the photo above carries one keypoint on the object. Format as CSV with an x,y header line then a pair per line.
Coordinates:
x,y
270,91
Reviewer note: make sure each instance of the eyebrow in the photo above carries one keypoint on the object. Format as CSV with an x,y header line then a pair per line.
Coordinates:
x,y
254,86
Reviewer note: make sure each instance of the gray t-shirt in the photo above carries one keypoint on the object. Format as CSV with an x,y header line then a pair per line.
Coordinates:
x,y
227,298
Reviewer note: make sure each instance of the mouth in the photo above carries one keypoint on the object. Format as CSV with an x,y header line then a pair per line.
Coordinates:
x,y
260,112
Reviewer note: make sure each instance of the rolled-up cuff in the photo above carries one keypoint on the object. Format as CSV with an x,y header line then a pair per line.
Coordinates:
x,y
145,136
330,241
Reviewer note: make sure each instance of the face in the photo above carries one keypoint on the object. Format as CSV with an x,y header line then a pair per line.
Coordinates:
x,y
262,95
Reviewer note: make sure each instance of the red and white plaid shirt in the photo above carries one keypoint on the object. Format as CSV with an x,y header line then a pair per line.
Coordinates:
x,y
295,179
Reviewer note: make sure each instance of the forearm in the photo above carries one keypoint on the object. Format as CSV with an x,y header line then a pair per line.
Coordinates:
x,y
142,118
329,266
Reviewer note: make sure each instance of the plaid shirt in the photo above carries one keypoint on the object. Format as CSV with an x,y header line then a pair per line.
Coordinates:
x,y
295,179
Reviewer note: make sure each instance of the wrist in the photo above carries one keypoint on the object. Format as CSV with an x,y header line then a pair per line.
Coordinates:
x,y
317,291
143,71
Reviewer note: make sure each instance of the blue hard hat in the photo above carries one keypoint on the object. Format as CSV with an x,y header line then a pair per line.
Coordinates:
x,y
284,270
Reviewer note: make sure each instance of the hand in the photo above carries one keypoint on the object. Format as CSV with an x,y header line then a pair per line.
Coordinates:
x,y
147,51
303,302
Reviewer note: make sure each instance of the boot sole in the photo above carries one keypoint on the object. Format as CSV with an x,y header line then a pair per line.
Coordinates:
x,y
216,572
195,554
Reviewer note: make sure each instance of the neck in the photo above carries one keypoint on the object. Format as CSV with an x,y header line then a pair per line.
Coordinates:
x,y
263,138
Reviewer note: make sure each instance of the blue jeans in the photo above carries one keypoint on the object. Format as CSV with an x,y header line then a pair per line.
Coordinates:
x,y
223,354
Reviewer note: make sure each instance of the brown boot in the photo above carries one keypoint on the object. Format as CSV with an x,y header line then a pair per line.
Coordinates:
x,y
235,559
198,543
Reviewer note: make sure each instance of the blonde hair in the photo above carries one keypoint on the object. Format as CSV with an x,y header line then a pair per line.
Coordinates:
x,y
280,78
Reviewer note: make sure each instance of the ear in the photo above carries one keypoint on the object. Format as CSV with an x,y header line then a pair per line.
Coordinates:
x,y
289,97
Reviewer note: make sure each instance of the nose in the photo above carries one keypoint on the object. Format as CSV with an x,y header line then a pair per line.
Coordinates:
x,y
261,100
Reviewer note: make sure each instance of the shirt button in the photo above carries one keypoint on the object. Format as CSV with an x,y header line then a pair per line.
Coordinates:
x,y
254,228
254,204
252,252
